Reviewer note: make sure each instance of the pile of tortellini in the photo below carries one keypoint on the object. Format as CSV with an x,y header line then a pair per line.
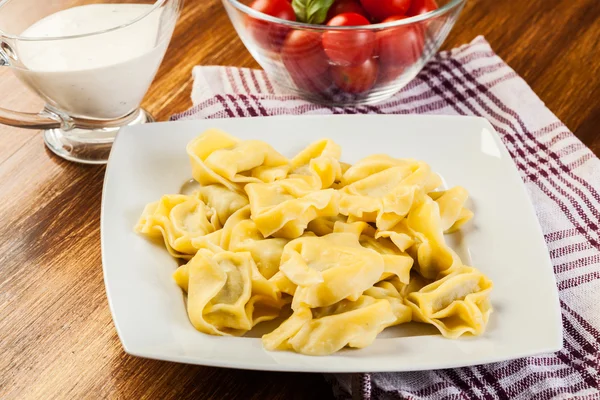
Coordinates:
x,y
343,251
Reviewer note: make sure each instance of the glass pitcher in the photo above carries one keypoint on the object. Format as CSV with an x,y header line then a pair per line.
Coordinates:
x,y
91,62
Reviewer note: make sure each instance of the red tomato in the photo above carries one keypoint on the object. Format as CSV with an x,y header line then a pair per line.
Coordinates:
x,y
349,47
355,79
303,55
418,7
314,84
400,47
381,9
275,8
270,35
345,6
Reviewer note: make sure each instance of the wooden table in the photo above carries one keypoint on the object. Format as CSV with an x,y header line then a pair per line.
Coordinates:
x,y
57,339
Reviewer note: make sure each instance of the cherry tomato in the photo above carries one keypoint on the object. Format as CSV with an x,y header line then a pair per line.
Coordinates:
x,y
303,55
313,84
349,47
270,35
381,9
418,7
400,47
345,6
357,78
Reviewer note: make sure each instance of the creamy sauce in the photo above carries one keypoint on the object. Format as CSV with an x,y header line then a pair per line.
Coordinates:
x,y
100,76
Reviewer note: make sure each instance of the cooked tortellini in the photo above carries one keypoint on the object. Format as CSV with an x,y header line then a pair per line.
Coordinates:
x,y
284,208
451,202
387,291
395,262
386,195
455,304
224,201
178,219
245,236
336,252
319,163
217,157
320,266
226,295
431,252
327,330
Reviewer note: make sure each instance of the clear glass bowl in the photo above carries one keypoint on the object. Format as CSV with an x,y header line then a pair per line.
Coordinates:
x,y
293,56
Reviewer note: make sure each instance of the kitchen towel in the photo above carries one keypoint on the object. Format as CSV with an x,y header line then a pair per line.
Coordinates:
x,y
562,177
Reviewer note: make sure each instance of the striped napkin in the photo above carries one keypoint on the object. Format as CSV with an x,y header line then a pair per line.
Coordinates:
x,y
562,177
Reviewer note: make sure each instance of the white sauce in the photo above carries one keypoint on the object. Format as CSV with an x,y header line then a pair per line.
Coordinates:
x,y
101,76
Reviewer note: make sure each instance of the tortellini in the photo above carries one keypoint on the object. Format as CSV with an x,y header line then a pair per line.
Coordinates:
x,y
451,202
217,157
227,295
347,323
395,262
384,191
319,163
456,304
245,236
284,208
348,250
224,201
320,267
178,219
432,253
386,290
400,234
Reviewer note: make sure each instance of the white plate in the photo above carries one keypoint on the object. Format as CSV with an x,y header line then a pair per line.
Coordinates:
x,y
504,240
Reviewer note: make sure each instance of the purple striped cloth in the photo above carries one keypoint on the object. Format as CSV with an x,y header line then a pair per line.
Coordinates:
x,y
562,177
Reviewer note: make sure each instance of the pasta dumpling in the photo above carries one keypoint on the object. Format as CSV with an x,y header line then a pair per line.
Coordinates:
x,y
400,234
456,304
432,253
451,204
237,217
178,219
372,165
327,330
319,163
241,234
357,228
279,337
322,226
415,283
283,284
217,157
226,295
320,267
395,262
284,208
452,216
245,236
224,201
387,196
387,291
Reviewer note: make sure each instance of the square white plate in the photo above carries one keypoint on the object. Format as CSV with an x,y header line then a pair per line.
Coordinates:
x,y
504,240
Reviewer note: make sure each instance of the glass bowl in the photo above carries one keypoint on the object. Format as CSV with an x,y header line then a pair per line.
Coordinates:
x,y
293,56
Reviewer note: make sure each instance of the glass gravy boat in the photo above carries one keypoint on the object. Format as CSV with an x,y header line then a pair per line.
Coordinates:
x,y
91,62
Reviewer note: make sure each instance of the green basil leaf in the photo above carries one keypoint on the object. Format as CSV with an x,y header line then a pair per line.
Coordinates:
x,y
300,7
311,11
317,11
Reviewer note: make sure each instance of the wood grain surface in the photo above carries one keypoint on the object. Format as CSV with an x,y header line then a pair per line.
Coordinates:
x,y
57,339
